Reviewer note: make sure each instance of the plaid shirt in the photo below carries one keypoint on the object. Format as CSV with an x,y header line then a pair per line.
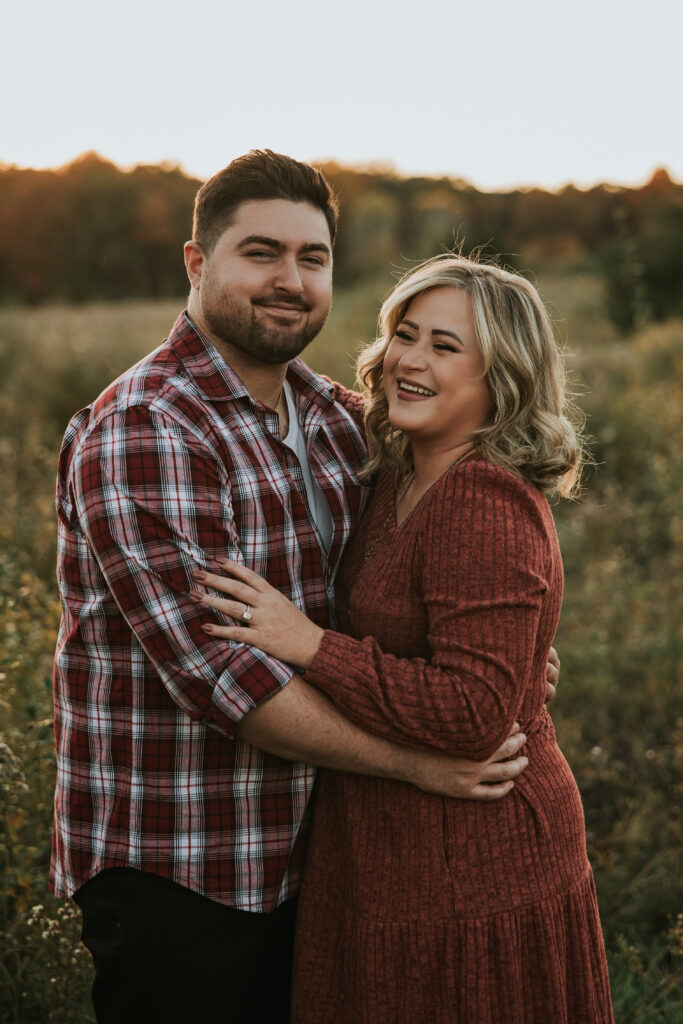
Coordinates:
x,y
171,468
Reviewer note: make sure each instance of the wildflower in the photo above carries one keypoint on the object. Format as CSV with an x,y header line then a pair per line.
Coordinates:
x,y
12,779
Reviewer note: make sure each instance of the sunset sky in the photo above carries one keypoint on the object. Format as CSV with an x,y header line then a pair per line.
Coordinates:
x,y
499,93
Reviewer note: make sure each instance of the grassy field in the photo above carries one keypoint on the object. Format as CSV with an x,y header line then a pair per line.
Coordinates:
x,y
619,714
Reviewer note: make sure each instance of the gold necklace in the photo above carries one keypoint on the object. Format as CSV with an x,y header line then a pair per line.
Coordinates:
x,y
391,520
411,478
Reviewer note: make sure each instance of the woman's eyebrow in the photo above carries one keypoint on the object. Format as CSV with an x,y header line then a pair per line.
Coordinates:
x,y
449,334
437,330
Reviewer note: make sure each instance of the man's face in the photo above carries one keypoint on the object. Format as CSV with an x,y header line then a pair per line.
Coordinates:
x,y
266,289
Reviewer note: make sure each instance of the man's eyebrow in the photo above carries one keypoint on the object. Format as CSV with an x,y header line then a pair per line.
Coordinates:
x,y
316,247
437,330
274,243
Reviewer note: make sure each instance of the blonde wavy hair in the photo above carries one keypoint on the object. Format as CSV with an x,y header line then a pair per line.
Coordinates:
x,y
534,429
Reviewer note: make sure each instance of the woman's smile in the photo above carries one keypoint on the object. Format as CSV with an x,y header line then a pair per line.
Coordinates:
x,y
411,391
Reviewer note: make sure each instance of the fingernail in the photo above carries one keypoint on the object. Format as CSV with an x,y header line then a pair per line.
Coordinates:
x,y
522,738
208,629
197,595
200,575
515,727
525,761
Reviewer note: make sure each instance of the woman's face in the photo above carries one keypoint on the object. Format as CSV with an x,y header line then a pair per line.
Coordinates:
x,y
432,371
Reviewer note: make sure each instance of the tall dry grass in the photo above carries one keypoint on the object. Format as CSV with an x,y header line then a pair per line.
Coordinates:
x,y
619,715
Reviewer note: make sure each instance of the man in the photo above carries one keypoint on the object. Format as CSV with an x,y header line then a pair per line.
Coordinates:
x,y
184,766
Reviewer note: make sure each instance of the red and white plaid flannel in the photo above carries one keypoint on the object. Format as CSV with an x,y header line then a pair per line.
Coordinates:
x,y
171,468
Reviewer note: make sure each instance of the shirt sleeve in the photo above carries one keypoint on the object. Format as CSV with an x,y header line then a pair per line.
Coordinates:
x,y
483,578
155,506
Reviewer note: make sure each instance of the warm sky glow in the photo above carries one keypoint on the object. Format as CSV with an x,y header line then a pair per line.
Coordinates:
x,y
499,93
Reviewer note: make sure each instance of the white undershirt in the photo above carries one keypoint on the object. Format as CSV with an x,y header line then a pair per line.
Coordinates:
x,y
296,442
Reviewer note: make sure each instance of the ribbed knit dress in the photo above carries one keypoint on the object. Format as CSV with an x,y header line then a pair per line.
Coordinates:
x,y
417,909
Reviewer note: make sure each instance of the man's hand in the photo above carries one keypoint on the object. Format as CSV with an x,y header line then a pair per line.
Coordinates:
x,y
552,675
471,780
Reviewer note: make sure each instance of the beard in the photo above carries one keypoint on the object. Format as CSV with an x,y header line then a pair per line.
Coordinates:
x,y
241,325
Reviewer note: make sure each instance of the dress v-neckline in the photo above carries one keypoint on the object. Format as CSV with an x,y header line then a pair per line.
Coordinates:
x,y
398,498
390,524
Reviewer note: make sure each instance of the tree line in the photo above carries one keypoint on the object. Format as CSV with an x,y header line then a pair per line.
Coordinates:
x,y
92,231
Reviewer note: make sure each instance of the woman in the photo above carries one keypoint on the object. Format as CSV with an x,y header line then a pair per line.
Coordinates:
x,y
417,908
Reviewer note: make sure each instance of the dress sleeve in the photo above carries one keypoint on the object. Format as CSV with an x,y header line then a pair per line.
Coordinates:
x,y
154,507
484,553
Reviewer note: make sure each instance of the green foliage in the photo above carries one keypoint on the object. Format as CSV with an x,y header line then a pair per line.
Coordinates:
x,y
620,718
619,714
91,231
647,983
642,263
44,969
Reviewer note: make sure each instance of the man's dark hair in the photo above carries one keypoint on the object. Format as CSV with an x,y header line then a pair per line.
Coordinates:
x,y
259,174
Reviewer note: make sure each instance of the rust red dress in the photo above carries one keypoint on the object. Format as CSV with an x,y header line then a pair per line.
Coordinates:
x,y
417,909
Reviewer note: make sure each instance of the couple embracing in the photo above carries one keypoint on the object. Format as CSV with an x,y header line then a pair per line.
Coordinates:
x,y
262,572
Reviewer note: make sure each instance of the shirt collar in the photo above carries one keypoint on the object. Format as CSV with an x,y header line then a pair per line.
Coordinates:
x,y
216,379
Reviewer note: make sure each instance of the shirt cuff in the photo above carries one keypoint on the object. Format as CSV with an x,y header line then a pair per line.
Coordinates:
x,y
259,678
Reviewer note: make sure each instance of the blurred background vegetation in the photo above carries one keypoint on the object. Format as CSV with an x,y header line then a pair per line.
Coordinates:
x,y
91,278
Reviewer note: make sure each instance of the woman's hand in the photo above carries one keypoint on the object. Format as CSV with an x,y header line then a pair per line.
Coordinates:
x,y
267,619
552,676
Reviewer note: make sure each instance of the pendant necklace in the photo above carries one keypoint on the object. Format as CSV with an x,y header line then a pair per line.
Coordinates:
x,y
391,520
411,478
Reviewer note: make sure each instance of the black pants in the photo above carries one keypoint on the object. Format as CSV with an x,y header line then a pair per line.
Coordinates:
x,y
164,953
